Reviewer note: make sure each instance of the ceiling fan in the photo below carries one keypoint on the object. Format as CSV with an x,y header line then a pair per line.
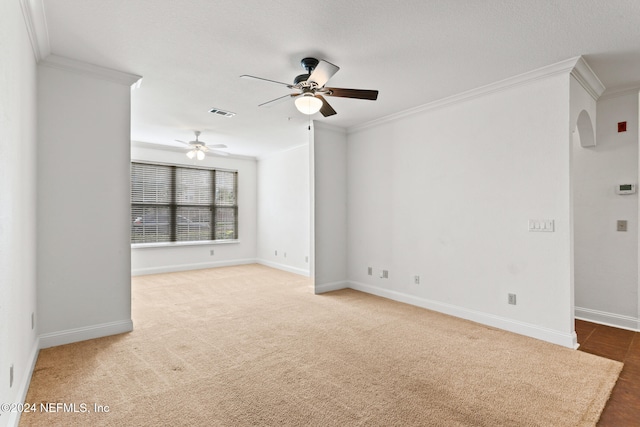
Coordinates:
x,y
198,148
312,90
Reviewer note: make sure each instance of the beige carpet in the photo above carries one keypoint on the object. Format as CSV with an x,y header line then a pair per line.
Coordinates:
x,y
252,346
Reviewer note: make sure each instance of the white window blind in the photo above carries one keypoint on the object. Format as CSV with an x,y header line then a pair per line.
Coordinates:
x,y
182,204
226,208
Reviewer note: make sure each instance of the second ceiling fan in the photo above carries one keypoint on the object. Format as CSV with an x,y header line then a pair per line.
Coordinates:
x,y
311,88
198,148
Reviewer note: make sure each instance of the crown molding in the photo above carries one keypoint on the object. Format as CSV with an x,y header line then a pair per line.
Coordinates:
x,y
563,67
632,89
587,78
153,146
68,64
284,150
36,22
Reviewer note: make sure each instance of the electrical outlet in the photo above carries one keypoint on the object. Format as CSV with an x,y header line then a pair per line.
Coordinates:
x,y
416,280
11,376
621,225
370,271
276,252
384,274
306,259
285,255
212,252
512,299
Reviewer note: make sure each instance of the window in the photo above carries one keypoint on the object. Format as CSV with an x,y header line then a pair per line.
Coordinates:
x,y
182,204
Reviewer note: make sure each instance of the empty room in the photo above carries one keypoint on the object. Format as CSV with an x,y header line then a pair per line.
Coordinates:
x,y
328,214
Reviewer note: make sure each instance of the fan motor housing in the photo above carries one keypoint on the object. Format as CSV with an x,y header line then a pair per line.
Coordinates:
x,y
301,78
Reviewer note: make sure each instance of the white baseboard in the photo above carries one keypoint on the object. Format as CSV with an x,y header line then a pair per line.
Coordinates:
x,y
522,328
86,333
609,319
195,266
14,417
328,287
284,267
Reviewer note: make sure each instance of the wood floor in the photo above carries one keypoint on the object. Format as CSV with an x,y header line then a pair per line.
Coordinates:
x,y
623,408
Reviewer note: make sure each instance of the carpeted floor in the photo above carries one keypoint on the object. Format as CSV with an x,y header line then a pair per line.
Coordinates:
x,y
252,346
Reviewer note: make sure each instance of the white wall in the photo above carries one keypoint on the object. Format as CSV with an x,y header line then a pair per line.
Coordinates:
x,y
284,210
84,280
446,193
606,260
18,343
329,184
150,260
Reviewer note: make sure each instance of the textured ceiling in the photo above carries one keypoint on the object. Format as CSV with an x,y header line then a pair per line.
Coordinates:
x,y
192,52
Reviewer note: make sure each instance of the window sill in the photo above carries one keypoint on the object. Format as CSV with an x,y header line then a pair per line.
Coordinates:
x,y
177,244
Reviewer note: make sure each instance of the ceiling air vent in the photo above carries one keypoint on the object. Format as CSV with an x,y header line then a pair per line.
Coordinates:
x,y
222,112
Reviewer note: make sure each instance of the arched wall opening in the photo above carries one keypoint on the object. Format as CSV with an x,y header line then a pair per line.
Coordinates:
x,y
583,130
582,138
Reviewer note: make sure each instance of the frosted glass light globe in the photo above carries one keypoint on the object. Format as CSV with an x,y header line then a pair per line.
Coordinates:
x,y
308,104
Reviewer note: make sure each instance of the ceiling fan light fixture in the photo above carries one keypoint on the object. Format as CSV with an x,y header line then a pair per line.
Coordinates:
x,y
308,104
198,149
311,90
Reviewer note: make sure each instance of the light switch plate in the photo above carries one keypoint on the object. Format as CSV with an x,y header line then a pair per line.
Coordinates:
x,y
546,225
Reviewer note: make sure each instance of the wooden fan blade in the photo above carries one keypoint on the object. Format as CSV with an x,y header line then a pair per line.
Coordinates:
x,y
326,110
246,76
352,93
323,72
277,100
